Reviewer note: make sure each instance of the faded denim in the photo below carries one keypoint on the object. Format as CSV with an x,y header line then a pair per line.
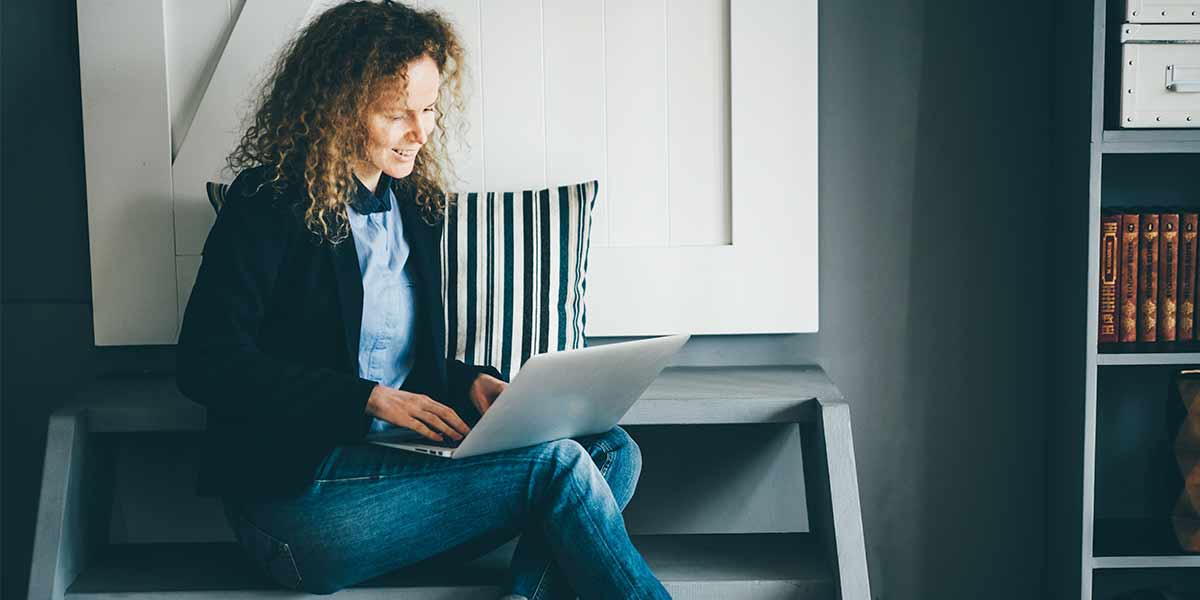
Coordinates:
x,y
374,509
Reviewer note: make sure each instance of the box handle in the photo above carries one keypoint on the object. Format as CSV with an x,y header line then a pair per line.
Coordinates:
x,y
1183,78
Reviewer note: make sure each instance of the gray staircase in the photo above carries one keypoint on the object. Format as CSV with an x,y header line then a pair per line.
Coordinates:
x,y
73,558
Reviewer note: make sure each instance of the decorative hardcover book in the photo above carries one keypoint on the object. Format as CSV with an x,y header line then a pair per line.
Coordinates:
x,y
1110,232
1127,280
1148,279
1168,274
1186,330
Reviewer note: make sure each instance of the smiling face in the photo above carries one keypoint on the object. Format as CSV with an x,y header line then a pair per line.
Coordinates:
x,y
399,123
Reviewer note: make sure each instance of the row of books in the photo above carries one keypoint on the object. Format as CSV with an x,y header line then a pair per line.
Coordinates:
x,y
1147,276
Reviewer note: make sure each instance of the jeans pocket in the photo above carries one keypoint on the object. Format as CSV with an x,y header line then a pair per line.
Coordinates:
x,y
272,555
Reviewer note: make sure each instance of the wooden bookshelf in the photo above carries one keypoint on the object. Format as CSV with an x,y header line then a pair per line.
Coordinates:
x,y
1138,544
1147,358
1111,423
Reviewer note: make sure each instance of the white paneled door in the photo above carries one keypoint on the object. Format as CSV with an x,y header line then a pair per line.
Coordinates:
x,y
698,117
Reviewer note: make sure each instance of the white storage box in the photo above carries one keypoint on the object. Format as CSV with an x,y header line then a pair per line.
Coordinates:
x,y
1160,75
1162,11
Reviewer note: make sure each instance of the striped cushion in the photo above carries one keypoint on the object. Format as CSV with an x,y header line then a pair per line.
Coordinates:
x,y
514,267
514,270
216,194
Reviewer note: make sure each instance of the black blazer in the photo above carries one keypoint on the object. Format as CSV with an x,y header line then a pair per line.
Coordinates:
x,y
269,342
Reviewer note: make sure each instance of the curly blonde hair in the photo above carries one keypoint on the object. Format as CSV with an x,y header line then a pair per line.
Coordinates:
x,y
309,121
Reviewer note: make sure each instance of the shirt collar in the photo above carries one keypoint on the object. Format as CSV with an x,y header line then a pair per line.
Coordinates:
x,y
365,202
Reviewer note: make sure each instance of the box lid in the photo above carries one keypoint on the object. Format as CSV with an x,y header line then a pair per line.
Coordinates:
x,y
1162,11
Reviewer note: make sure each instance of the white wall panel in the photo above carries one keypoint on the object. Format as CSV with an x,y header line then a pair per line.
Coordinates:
x,y
261,29
468,158
766,280
698,122
600,219
195,37
574,52
706,153
127,149
636,99
514,114
574,59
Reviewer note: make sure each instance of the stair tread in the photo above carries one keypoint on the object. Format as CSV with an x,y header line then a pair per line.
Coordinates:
x,y
680,395
191,567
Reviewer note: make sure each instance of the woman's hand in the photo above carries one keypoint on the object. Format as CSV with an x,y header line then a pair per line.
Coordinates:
x,y
417,412
484,390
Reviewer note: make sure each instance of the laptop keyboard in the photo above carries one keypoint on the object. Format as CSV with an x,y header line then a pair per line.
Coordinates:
x,y
446,442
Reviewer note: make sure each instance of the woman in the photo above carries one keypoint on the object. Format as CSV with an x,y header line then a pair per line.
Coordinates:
x,y
299,343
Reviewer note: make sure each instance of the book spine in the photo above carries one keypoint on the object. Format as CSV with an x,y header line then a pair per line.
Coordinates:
x,y
1186,330
1168,273
1110,231
1148,279
1131,228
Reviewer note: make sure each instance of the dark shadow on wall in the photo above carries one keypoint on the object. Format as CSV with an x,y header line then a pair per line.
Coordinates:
x,y
977,299
46,320
46,339
870,56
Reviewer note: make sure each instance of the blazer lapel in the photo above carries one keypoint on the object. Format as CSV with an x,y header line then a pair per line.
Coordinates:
x,y
424,250
422,246
350,294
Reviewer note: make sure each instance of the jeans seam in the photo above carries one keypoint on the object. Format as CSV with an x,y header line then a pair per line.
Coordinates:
x,y
340,479
604,468
453,467
283,550
604,541
608,458
537,589
599,444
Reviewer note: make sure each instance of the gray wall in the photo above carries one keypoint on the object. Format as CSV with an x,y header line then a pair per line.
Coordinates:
x,y
935,120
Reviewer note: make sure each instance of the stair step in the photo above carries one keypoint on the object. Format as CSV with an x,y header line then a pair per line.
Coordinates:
x,y
690,566
679,396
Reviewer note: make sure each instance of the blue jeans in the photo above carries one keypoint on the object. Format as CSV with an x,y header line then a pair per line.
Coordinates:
x,y
374,509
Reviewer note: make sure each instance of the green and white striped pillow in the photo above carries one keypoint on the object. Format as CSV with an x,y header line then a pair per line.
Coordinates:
x,y
514,274
216,194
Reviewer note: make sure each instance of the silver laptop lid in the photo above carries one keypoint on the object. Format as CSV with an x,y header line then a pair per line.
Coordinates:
x,y
570,393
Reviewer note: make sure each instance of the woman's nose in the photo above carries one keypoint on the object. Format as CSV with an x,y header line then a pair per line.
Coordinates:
x,y
416,132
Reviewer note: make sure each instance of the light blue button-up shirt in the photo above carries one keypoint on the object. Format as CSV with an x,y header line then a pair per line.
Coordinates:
x,y
387,344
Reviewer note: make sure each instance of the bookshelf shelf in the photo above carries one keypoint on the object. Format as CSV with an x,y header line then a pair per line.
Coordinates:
x,y
1138,544
1147,358
1160,141
1145,562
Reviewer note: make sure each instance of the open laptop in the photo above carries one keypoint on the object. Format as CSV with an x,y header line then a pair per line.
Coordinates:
x,y
555,395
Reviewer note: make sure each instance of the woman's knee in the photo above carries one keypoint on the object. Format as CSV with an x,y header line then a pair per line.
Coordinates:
x,y
626,450
567,459
564,453
620,462
610,478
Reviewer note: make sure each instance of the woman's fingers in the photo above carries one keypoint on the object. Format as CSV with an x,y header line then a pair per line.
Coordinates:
x,y
447,415
438,424
419,427
427,417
